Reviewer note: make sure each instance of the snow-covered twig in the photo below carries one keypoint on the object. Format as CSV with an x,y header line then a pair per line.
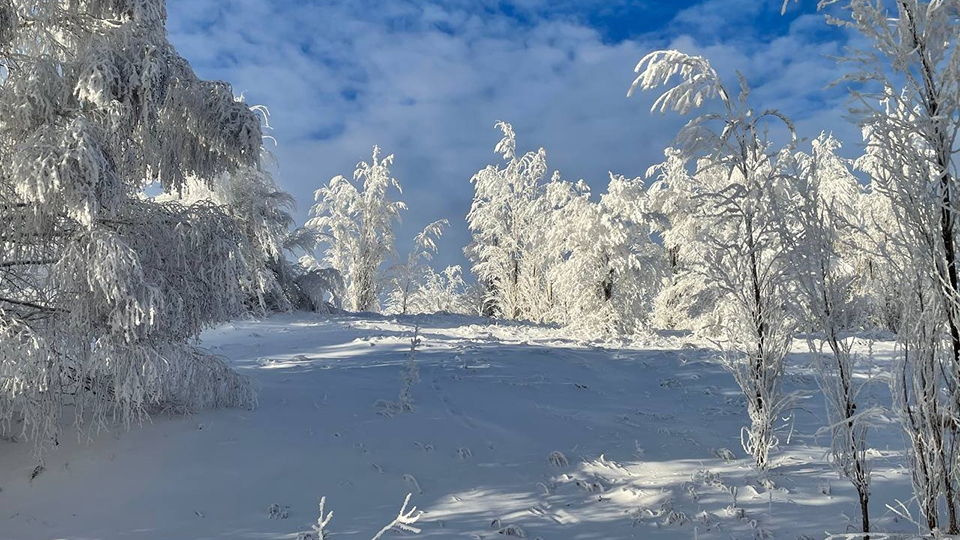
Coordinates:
x,y
404,521
322,521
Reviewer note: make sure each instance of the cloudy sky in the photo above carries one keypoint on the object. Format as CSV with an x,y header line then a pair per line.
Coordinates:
x,y
427,79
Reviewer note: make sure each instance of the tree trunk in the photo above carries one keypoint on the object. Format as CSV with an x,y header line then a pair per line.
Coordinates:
x,y
950,254
864,510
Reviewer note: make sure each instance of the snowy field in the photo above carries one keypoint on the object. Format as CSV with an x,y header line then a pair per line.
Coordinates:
x,y
648,431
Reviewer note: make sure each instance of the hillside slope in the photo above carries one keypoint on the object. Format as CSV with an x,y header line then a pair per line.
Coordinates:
x,y
649,434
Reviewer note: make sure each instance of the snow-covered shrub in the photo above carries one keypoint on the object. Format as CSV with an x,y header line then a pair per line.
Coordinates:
x,y
441,292
355,224
515,531
275,511
663,516
101,287
557,459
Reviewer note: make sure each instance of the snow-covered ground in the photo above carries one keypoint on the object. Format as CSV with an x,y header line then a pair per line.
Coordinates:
x,y
649,432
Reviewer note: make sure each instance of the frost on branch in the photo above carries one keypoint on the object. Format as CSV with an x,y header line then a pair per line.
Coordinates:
x,y
320,528
65,165
699,81
404,521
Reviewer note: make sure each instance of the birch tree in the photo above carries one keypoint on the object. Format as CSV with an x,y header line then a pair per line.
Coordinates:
x,y
736,187
817,231
499,218
608,269
355,221
907,81
409,275
546,252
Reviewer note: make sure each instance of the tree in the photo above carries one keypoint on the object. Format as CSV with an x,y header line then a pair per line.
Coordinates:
x,y
730,228
608,268
816,234
908,88
546,252
687,301
355,223
500,219
880,263
100,286
251,197
407,276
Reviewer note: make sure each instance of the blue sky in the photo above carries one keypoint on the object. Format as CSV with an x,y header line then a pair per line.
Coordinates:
x,y
426,80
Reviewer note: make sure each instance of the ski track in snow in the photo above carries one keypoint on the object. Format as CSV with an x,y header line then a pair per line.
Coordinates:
x,y
645,431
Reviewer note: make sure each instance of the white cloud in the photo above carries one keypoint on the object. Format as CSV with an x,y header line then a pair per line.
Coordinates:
x,y
427,81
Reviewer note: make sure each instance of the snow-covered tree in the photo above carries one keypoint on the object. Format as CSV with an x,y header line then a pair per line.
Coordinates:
x,y
251,197
907,81
322,288
546,252
355,222
500,218
408,276
687,301
728,228
101,287
817,234
476,299
608,269
879,263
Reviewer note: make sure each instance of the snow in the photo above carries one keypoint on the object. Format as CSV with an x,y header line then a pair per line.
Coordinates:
x,y
646,431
